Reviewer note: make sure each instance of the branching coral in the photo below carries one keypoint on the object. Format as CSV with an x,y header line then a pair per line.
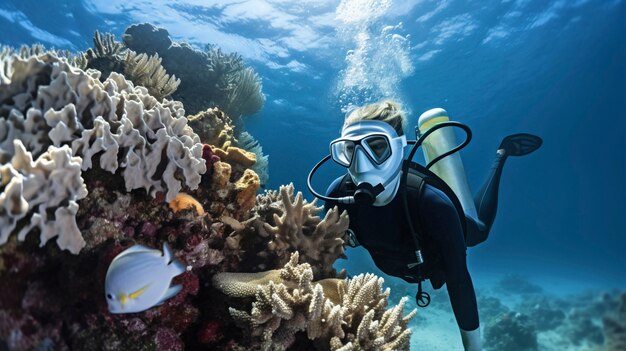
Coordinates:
x,y
299,228
107,55
336,314
290,224
107,46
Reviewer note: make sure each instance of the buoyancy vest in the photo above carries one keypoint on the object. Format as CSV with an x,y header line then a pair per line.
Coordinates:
x,y
389,240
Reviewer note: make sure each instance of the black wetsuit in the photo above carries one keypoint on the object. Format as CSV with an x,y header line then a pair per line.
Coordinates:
x,y
384,232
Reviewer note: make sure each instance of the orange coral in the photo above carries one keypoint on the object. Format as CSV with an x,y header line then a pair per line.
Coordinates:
x,y
184,201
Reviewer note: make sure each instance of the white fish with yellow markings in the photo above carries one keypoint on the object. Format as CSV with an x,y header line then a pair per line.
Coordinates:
x,y
140,277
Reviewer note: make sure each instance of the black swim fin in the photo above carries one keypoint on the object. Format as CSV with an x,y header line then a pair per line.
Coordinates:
x,y
520,144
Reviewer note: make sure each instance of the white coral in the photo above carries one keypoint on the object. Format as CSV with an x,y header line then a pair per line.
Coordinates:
x,y
34,188
348,314
46,101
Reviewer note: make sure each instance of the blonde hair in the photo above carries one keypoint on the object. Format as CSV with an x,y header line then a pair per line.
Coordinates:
x,y
386,111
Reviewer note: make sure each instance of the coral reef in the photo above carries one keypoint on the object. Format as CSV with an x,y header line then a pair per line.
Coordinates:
x,y
215,128
208,79
546,313
292,224
336,314
517,284
615,327
109,55
261,167
584,321
47,102
511,331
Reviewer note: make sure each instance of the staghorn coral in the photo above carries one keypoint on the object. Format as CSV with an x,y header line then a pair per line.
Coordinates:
x,y
336,314
320,241
208,79
283,224
30,190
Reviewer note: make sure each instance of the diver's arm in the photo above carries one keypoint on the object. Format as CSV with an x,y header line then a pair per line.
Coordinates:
x,y
440,220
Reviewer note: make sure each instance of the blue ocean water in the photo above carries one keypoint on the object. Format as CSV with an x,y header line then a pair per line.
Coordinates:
x,y
557,69
553,68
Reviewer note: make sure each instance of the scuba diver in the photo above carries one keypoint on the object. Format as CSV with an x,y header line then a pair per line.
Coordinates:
x,y
416,223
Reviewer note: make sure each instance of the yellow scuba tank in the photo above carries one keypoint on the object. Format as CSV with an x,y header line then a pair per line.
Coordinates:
x,y
450,168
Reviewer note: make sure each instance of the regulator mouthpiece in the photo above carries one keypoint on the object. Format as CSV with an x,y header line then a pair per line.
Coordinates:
x,y
366,194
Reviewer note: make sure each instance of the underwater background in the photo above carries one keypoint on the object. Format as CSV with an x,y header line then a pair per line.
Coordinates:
x,y
556,253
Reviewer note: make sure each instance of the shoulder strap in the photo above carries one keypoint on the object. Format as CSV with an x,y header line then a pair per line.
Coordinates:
x,y
427,176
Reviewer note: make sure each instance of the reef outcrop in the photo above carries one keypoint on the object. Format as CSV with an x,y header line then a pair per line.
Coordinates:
x,y
45,101
336,314
208,79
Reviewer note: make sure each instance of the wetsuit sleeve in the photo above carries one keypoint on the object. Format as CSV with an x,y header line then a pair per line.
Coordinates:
x,y
332,189
440,221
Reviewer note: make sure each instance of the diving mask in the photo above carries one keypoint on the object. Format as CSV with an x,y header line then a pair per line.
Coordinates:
x,y
373,153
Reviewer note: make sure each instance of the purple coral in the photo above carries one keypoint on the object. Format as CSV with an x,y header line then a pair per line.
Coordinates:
x,y
209,157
